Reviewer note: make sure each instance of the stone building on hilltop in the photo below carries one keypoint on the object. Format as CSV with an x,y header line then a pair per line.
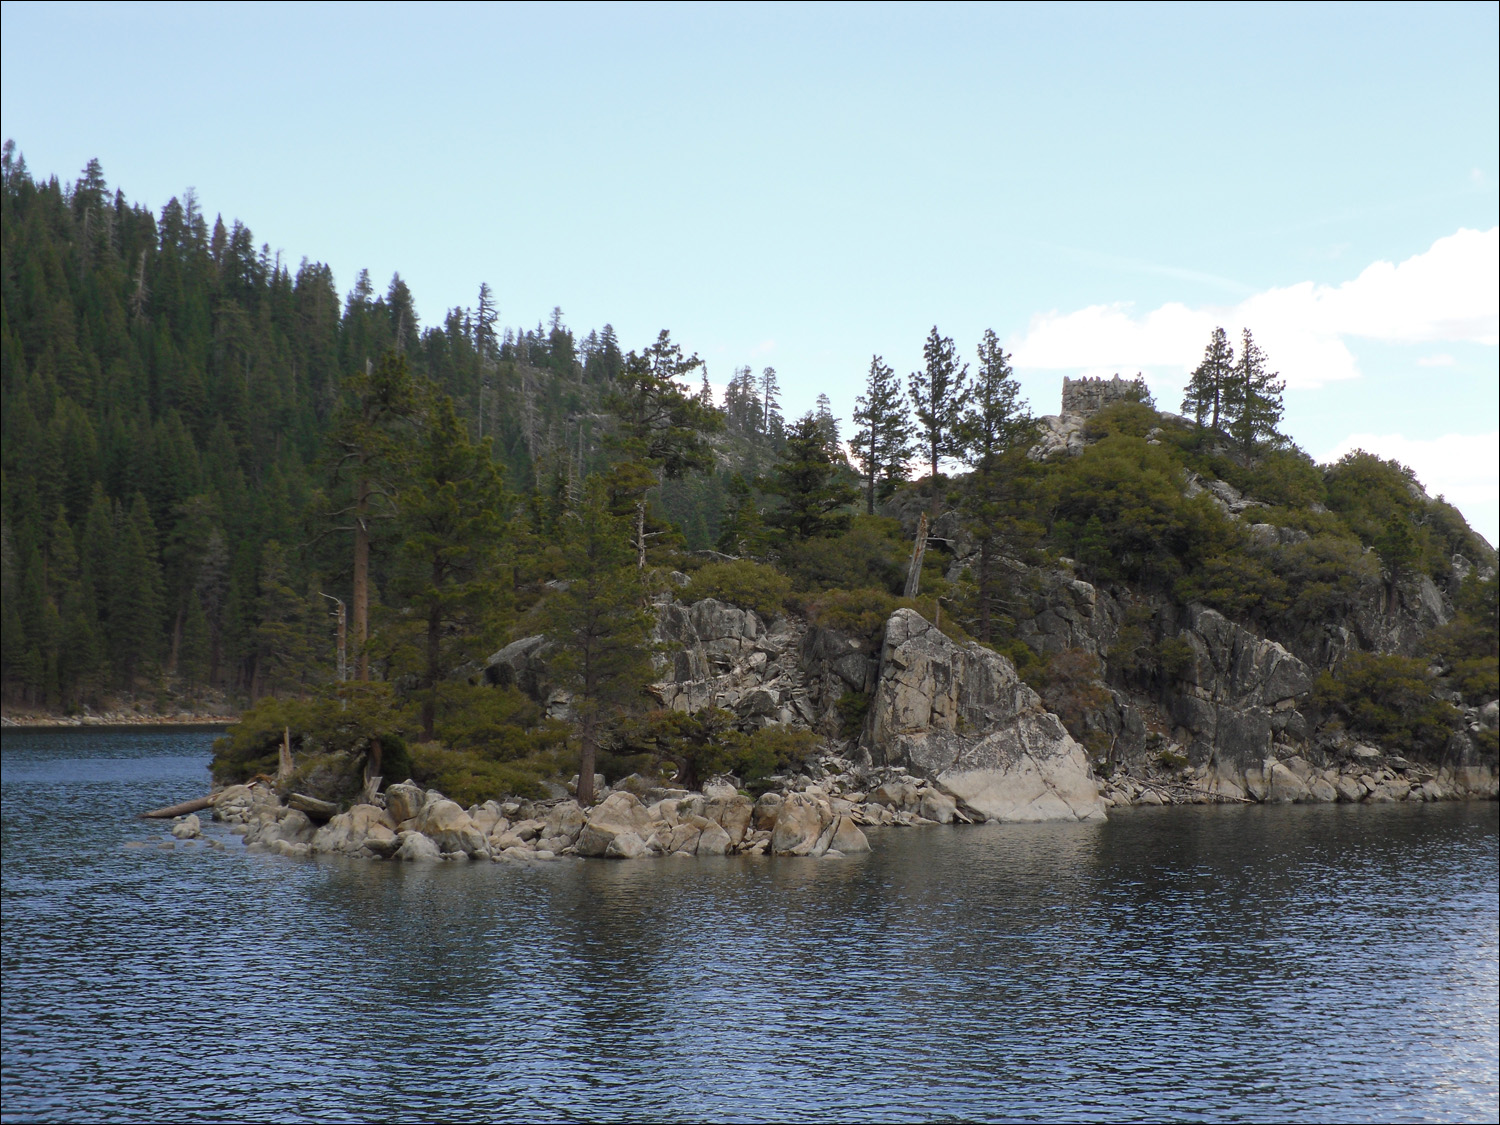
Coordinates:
x,y
1089,396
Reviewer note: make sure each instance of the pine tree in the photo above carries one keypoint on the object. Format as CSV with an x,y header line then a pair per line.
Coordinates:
x,y
662,429
830,427
194,653
814,498
451,519
283,649
1204,397
598,626
771,422
993,433
12,631
938,394
367,452
137,607
1253,404
743,529
883,443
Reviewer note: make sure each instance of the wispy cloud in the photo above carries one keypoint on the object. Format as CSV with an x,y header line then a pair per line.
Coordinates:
x,y
1448,293
1441,359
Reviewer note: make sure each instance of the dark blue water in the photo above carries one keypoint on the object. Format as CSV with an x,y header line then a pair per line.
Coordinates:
x,y
1222,964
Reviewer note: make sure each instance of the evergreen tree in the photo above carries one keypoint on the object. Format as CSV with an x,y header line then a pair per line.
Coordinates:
x,y
1204,397
194,653
663,430
1253,404
136,601
367,452
993,433
598,626
451,519
283,650
938,395
814,497
883,443
830,427
12,630
771,422
743,529
994,418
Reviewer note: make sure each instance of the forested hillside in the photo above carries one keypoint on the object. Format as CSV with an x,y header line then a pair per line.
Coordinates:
x,y
221,476
169,390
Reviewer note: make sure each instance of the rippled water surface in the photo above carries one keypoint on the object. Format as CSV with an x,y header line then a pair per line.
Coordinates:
x,y
1327,963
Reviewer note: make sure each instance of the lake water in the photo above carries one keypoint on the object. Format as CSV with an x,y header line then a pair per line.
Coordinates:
x,y
1221,964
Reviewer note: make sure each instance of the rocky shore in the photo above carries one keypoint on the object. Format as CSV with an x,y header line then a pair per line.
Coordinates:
x,y
821,813
1359,774
637,819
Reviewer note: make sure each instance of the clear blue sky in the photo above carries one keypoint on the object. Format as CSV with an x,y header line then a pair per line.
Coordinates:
x,y
804,186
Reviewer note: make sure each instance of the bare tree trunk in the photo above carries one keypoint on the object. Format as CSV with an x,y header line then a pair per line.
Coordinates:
x,y
919,548
640,533
284,766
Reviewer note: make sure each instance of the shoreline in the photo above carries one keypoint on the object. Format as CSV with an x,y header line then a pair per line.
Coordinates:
x,y
121,720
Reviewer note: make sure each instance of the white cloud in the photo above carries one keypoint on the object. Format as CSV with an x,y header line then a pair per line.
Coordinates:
x,y
1458,467
1450,292
1441,359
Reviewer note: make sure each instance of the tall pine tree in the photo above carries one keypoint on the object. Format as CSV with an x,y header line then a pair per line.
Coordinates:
x,y
938,395
883,442
1204,399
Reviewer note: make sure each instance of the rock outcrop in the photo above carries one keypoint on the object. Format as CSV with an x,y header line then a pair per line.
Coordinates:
x,y
781,671
960,716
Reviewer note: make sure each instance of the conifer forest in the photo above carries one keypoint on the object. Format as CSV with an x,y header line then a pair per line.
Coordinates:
x,y
227,482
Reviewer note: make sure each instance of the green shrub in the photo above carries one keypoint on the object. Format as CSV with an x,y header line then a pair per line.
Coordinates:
x,y
1133,419
1388,698
775,749
1237,584
1470,643
1119,509
1170,759
860,614
1073,690
500,723
873,553
317,727
853,707
745,583
469,777
705,742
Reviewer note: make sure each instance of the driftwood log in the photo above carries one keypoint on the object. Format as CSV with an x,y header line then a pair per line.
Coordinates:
x,y
320,811
181,810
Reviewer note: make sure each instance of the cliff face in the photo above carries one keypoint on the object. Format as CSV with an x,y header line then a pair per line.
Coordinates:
x,y
960,716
